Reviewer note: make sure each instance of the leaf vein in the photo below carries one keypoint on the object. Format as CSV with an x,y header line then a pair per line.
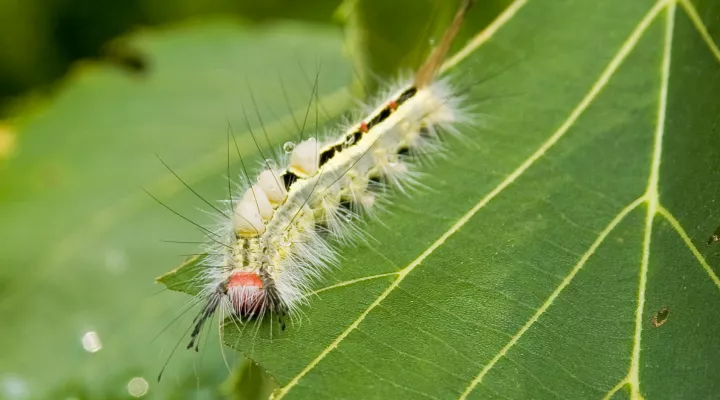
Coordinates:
x,y
397,385
412,356
616,220
652,195
700,26
535,378
665,213
454,316
615,388
559,365
447,277
350,282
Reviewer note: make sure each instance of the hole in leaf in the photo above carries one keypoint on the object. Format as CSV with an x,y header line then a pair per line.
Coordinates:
x,y
660,317
715,237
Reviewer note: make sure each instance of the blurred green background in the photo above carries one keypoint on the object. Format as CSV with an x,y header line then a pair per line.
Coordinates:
x,y
89,90
39,39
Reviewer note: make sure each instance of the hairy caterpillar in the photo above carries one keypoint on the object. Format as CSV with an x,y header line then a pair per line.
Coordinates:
x,y
275,238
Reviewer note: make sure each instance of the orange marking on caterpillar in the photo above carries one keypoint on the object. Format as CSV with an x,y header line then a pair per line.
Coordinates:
x,y
250,279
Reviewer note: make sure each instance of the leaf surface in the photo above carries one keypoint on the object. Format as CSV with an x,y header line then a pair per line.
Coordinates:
x,y
535,265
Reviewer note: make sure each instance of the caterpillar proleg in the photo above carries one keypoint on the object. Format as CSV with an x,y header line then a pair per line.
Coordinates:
x,y
276,238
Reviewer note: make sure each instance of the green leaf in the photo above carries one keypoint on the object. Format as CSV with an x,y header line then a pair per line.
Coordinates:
x,y
81,243
538,262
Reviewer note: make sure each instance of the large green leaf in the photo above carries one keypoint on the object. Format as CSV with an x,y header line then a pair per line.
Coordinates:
x,y
564,256
81,243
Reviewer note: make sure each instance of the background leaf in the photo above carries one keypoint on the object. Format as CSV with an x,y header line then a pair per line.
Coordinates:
x,y
40,39
536,265
81,243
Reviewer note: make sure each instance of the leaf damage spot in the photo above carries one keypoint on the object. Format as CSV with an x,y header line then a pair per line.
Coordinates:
x,y
715,237
660,317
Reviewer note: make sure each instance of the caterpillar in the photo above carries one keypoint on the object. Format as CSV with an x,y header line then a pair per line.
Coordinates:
x,y
276,239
